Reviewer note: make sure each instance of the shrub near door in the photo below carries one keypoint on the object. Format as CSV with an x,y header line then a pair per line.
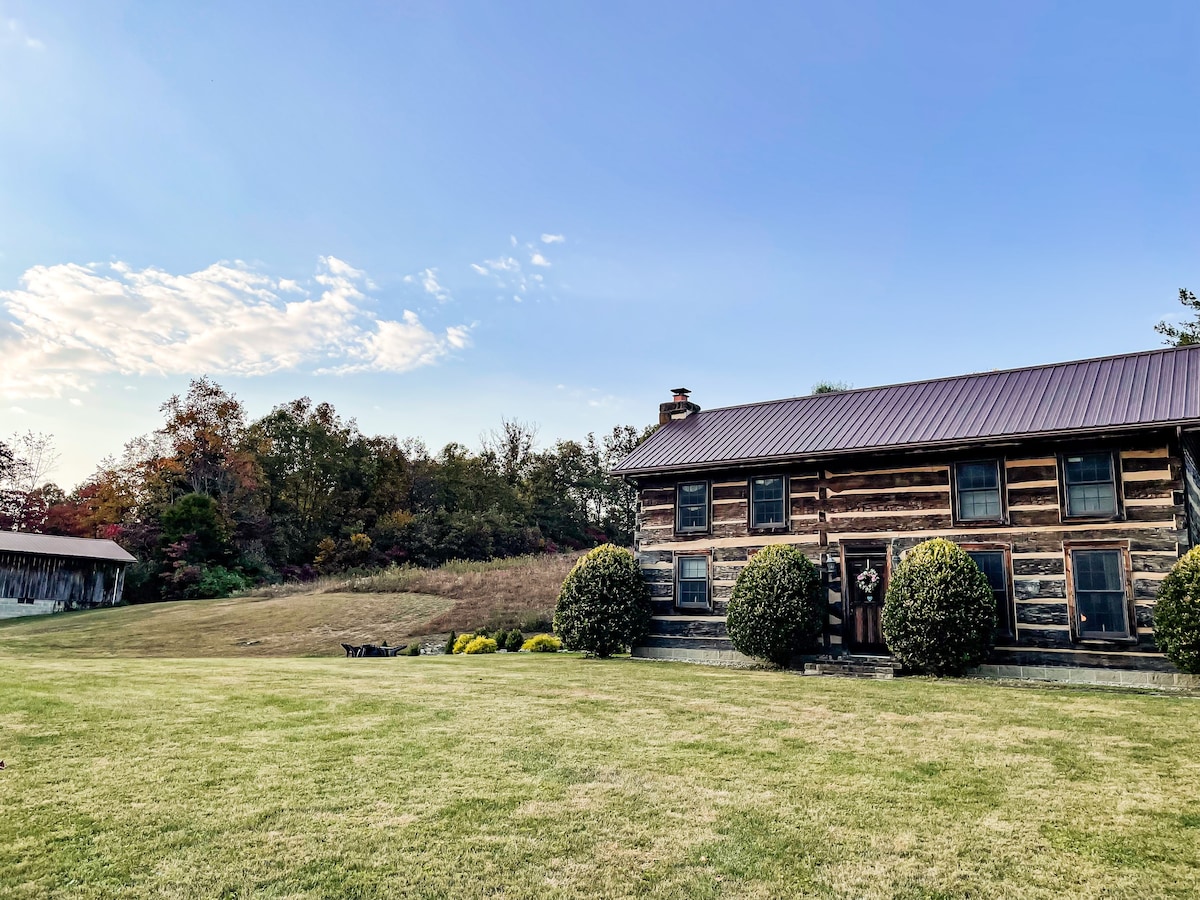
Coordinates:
x,y
939,615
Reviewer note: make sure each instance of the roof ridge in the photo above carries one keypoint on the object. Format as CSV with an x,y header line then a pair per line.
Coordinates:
x,y
986,372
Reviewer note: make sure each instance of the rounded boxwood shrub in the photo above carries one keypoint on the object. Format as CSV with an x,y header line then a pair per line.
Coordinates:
x,y
1177,613
604,604
513,640
939,613
460,643
542,643
480,645
775,609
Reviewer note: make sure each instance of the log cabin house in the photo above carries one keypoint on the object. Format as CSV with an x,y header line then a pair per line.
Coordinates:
x,y
1074,487
42,573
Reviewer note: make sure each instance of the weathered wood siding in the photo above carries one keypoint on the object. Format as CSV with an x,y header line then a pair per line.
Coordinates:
x,y
901,500
56,583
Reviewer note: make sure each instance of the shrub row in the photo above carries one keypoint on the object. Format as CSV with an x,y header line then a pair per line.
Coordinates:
x,y
483,641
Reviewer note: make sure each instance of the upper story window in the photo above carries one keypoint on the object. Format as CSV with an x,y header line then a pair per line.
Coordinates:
x,y
768,503
1091,487
977,486
1101,605
691,507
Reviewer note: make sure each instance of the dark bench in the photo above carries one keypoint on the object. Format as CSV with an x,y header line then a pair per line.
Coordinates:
x,y
372,650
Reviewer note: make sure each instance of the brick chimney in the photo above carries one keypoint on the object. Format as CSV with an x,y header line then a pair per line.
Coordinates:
x,y
680,407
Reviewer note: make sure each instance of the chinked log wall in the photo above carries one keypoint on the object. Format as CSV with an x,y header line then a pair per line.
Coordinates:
x,y
905,500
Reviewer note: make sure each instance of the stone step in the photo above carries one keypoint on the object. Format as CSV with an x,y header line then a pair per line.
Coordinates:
x,y
851,670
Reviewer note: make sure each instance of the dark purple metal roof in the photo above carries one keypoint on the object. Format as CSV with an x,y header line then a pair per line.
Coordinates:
x,y
1158,387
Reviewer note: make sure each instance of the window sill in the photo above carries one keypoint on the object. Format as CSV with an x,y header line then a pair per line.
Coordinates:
x,y
768,529
974,523
1113,643
694,532
1089,520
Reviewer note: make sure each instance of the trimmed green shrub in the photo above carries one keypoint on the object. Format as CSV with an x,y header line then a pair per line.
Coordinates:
x,y
542,643
460,643
449,648
413,649
480,645
513,640
604,605
1177,613
939,614
775,609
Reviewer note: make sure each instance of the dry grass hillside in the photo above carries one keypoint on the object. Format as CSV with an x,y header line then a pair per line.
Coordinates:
x,y
395,605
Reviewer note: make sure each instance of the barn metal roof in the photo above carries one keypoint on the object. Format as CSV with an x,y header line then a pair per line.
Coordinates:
x,y
54,545
1157,387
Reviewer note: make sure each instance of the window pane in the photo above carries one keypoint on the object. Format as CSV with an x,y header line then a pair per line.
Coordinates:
x,y
767,502
693,593
693,567
991,563
1090,467
979,504
975,476
1091,499
1102,613
693,506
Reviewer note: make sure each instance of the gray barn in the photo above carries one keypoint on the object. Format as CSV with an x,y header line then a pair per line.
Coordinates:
x,y
42,573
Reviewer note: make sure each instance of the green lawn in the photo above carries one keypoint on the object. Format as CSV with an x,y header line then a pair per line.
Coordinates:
x,y
312,624
536,776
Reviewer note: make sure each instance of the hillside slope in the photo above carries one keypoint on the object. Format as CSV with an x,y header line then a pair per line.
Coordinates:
x,y
395,606
295,625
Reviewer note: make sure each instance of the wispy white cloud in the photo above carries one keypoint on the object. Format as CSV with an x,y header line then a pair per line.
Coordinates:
x,y
429,281
508,274
17,32
70,324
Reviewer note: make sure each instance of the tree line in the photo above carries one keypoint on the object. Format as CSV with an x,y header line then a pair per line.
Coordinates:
x,y
212,501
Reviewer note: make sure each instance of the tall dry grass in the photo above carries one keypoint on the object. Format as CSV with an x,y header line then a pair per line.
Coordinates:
x,y
519,592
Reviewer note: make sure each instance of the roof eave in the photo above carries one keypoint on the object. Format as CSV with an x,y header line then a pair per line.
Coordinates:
x,y
746,462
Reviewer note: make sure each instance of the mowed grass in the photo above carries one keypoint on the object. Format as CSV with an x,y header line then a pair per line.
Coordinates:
x,y
553,776
290,625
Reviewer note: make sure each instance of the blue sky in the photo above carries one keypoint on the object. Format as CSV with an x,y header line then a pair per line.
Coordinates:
x,y
435,215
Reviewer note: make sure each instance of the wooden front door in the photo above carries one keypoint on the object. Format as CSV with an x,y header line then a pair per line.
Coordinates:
x,y
862,632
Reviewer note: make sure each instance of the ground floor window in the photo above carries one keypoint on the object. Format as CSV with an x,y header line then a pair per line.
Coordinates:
x,y
28,600
1100,591
993,562
692,581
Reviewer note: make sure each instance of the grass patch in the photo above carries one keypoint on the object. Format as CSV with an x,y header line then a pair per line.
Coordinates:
x,y
290,625
554,776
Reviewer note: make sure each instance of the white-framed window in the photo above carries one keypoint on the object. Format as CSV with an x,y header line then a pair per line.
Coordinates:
x,y
768,502
977,491
692,584
691,506
1090,485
